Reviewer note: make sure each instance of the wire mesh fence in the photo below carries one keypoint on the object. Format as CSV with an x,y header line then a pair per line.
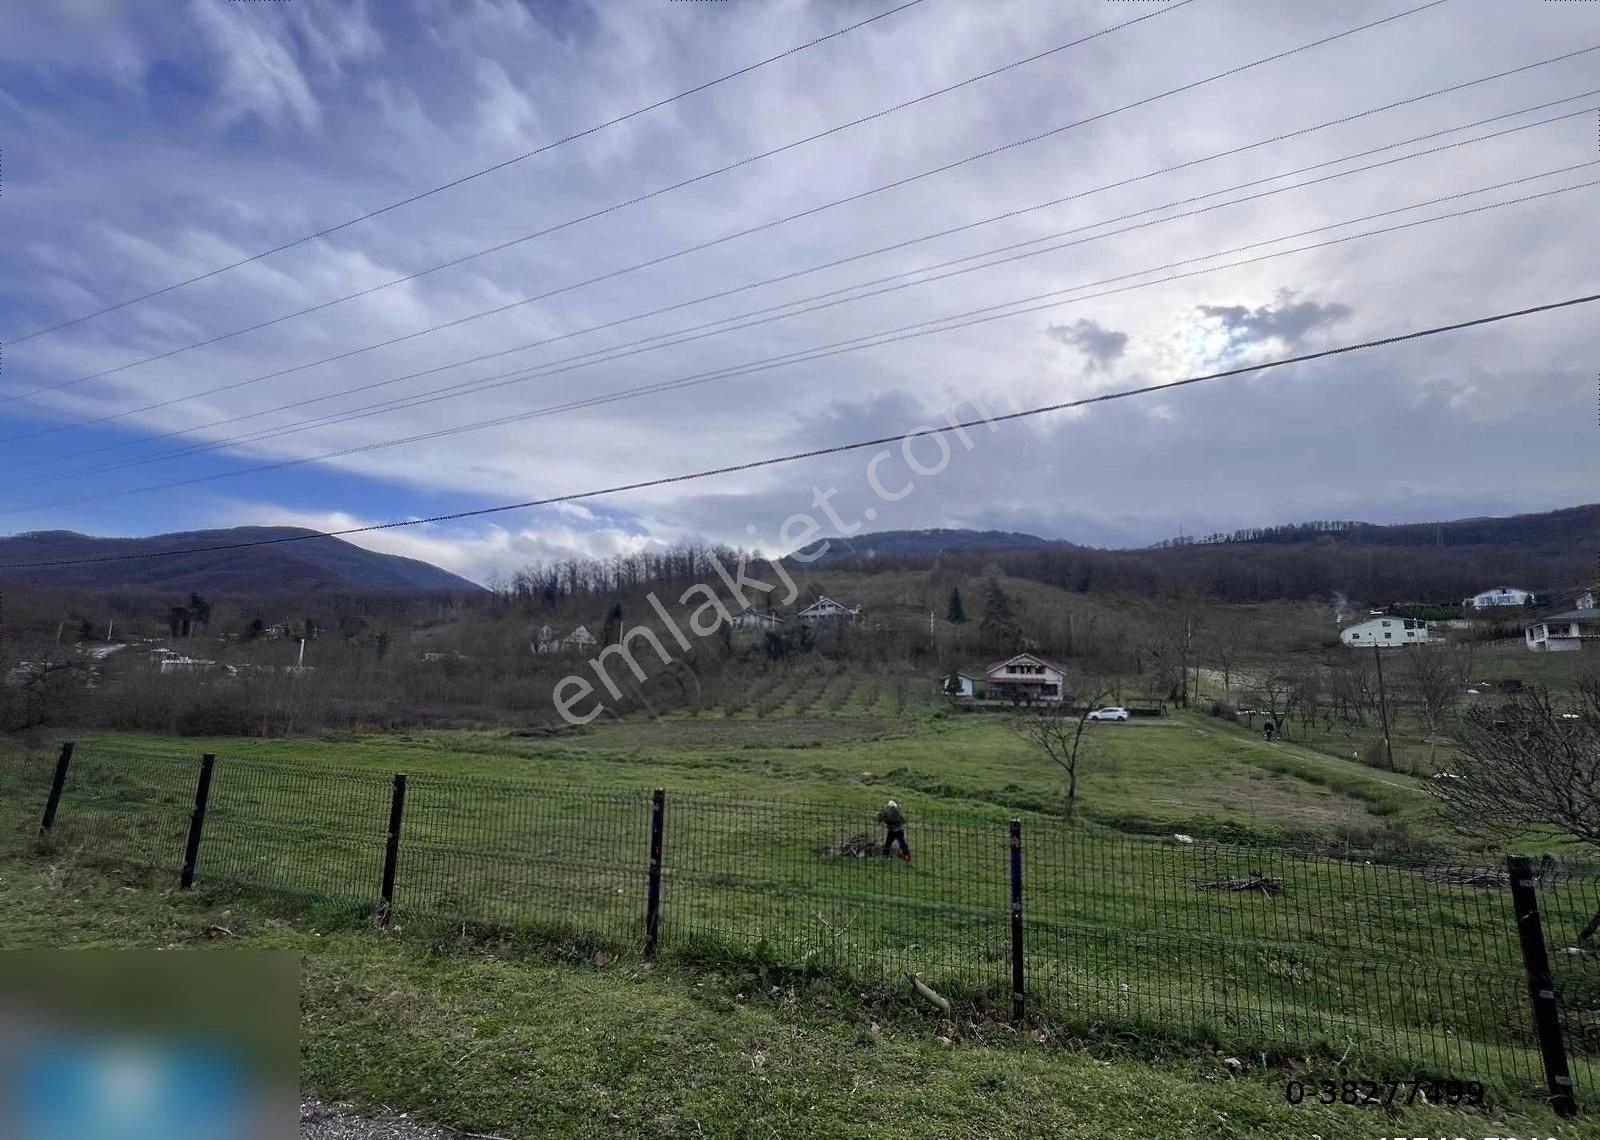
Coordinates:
x,y
1393,967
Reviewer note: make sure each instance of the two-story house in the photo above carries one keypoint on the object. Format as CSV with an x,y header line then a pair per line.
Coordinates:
x,y
1024,677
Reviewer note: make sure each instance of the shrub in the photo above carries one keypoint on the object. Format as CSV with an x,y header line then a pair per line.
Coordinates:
x,y
1224,709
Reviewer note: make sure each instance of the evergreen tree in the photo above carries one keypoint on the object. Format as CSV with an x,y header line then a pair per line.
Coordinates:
x,y
957,611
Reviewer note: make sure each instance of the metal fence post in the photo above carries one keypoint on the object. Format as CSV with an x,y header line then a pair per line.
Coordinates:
x,y
58,782
1541,987
391,850
652,906
1016,920
197,821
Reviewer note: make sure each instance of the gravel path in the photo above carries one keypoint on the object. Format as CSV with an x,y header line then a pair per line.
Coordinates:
x,y
319,1121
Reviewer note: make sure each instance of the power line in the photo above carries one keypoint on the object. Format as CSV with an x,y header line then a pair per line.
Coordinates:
x,y
476,174
456,322
836,449
916,330
787,146
620,205
708,329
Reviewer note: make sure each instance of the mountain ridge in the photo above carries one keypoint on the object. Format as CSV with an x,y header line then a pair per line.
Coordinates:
x,y
281,558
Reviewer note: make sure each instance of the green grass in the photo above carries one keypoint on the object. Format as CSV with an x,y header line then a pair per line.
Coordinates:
x,y
1381,965
493,1037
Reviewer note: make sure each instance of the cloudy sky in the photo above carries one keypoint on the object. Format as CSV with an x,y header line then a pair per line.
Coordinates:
x,y
652,317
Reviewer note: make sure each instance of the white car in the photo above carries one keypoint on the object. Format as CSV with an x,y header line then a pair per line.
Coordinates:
x,y
1114,712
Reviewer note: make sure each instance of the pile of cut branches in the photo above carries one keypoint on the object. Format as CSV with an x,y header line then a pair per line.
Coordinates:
x,y
1254,881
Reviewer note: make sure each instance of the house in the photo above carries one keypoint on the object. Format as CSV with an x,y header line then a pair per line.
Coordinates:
x,y
748,618
1564,632
825,609
958,684
1387,632
1024,677
578,640
1499,596
547,640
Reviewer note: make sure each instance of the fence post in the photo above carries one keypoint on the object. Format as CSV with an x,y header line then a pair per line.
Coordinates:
x,y
652,906
391,850
197,820
56,784
1541,987
1016,920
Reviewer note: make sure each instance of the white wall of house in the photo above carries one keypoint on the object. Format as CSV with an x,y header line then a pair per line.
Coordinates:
x,y
1386,632
1499,596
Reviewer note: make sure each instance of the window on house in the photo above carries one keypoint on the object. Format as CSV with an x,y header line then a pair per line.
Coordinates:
x,y
1388,634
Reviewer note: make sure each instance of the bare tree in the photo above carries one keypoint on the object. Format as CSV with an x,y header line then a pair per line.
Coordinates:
x,y
1057,729
1527,766
1225,639
1277,695
1428,676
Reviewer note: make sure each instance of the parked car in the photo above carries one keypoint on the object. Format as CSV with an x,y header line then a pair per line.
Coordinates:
x,y
1113,712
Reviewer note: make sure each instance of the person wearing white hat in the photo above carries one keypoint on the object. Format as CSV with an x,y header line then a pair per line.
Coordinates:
x,y
894,820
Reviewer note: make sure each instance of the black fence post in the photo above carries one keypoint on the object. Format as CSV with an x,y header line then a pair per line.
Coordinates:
x,y
1541,987
1016,920
56,784
197,821
391,850
652,905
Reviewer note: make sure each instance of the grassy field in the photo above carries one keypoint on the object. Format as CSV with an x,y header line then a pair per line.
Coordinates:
x,y
1383,965
494,1038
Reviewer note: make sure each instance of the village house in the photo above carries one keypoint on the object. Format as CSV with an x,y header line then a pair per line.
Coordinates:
x,y
1564,632
547,640
578,640
1386,632
825,609
749,619
1023,678
1499,596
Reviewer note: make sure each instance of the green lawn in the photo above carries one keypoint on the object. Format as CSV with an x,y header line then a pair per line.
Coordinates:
x,y
1383,965
490,1038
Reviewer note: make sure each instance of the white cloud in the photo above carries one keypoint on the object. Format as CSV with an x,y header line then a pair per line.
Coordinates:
x,y
345,108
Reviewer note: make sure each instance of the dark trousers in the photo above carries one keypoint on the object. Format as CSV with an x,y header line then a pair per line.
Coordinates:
x,y
896,835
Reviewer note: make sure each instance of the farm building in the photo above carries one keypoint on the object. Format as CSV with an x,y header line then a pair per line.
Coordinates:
x,y
1564,632
1499,596
1023,678
825,609
959,684
1387,632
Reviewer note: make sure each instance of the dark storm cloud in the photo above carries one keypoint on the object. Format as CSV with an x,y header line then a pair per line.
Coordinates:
x,y
1101,345
1287,322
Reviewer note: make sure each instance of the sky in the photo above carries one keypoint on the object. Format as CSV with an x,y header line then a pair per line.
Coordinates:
x,y
705,283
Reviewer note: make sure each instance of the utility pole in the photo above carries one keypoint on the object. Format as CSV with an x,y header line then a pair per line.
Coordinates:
x,y
301,663
1383,706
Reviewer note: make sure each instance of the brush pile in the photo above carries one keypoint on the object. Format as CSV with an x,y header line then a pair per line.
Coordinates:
x,y
1254,881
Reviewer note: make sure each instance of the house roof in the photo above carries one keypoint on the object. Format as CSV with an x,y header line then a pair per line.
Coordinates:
x,y
1030,656
1572,615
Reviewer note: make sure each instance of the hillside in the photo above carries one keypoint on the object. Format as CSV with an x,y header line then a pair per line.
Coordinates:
x,y
285,561
929,543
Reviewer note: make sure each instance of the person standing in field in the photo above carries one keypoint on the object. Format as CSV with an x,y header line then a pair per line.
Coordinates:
x,y
894,820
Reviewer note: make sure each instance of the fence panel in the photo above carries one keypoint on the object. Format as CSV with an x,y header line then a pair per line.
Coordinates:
x,y
1398,968
307,830
514,853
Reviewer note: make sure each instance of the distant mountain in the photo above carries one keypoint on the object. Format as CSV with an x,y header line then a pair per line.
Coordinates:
x,y
928,543
306,565
1573,527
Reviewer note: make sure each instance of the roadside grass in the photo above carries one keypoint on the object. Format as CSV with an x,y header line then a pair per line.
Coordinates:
x,y
488,1036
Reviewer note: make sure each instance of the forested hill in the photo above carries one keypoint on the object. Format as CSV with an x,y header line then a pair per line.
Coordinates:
x,y
1418,562
1575,527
